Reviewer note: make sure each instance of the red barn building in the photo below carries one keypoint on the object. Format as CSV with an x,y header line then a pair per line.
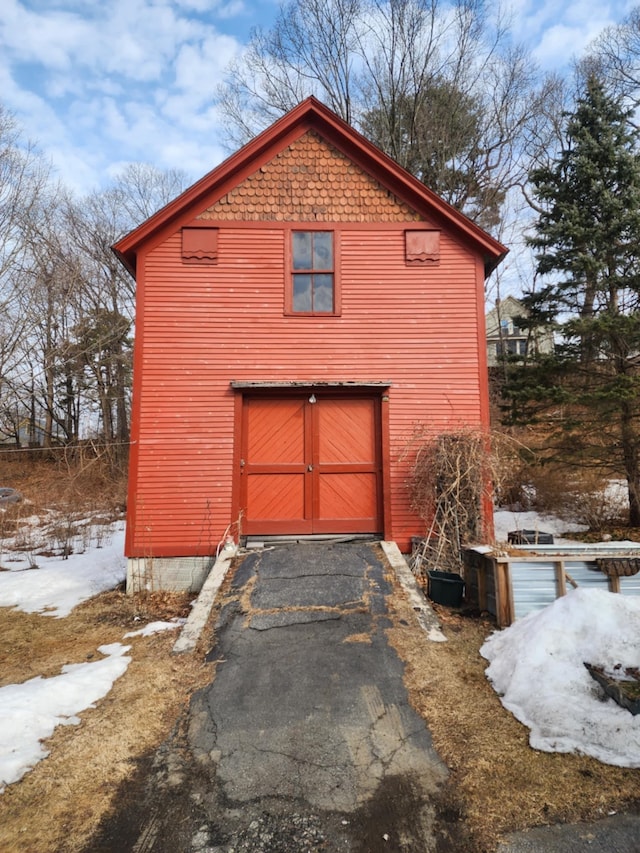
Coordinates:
x,y
300,310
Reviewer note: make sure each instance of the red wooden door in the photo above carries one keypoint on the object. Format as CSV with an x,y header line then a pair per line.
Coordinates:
x,y
311,464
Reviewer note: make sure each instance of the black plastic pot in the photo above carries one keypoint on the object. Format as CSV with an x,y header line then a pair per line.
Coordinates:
x,y
446,588
529,537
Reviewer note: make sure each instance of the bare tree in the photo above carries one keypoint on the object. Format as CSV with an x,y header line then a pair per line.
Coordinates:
x,y
23,178
141,189
23,182
102,336
312,49
436,85
49,283
614,58
66,303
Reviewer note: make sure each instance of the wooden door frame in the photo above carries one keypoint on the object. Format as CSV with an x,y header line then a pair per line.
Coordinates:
x,y
266,390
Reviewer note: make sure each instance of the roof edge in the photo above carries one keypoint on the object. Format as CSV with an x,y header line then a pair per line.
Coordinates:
x,y
311,114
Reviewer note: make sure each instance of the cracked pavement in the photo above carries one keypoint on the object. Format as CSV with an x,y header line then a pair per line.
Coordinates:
x,y
305,738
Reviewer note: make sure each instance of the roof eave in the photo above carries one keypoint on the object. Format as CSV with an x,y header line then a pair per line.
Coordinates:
x,y
311,114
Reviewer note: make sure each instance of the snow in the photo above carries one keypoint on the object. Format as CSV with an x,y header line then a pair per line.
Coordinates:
x,y
505,521
537,668
537,664
156,628
29,712
57,585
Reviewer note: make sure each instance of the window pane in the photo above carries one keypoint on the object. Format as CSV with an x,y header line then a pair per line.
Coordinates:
x,y
323,293
301,247
302,293
323,250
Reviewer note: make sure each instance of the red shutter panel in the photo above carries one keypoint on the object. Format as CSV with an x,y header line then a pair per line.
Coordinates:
x,y
200,245
422,247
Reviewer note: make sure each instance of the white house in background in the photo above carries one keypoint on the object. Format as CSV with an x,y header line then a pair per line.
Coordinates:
x,y
505,337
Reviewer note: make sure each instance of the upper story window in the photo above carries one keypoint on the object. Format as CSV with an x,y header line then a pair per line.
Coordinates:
x,y
313,272
513,346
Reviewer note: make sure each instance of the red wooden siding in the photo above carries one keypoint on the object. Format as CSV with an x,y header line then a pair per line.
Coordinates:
x,y
201,327
211,323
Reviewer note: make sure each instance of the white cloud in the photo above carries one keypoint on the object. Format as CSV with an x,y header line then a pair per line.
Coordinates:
x,y
221,8
197,63
47,38
556,32
561,42
127,80
97,84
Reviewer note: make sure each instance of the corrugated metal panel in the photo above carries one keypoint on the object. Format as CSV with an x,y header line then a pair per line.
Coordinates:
x,y
533,585
534,581
576,548
630,585
201,327
586,574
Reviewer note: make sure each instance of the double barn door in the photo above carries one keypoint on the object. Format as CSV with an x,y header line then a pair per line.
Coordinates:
x,y
311,463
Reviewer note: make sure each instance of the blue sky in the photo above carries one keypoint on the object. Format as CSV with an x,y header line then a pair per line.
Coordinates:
x,y
98,84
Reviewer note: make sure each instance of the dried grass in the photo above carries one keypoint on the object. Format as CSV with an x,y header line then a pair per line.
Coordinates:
x,y
80,483
498,783
58,805
580,496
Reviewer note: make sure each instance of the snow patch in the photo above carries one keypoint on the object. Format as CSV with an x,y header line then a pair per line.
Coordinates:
x,y
30,712
506,521
156,628
58,585
537,668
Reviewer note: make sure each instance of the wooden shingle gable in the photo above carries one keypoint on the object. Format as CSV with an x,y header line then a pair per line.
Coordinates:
x,y
310,181
313,120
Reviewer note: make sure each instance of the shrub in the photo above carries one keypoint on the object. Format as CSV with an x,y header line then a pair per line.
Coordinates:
x,y
452,477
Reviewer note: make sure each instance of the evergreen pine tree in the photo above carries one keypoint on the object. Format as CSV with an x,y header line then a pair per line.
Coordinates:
x,y
587,244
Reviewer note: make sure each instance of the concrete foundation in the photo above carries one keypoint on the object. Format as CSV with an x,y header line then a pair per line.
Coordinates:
x,y
179,574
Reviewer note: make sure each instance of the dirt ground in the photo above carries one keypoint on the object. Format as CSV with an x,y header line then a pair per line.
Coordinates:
x,y
497,782
57,806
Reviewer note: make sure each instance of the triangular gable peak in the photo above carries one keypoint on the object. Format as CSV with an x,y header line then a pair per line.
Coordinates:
x,y
310,181
414,198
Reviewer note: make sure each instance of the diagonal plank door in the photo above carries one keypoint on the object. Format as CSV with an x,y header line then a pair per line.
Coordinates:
x,y
311,465
347,465
275,486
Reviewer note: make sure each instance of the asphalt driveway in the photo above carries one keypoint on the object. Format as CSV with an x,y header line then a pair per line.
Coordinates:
x,y
304,740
